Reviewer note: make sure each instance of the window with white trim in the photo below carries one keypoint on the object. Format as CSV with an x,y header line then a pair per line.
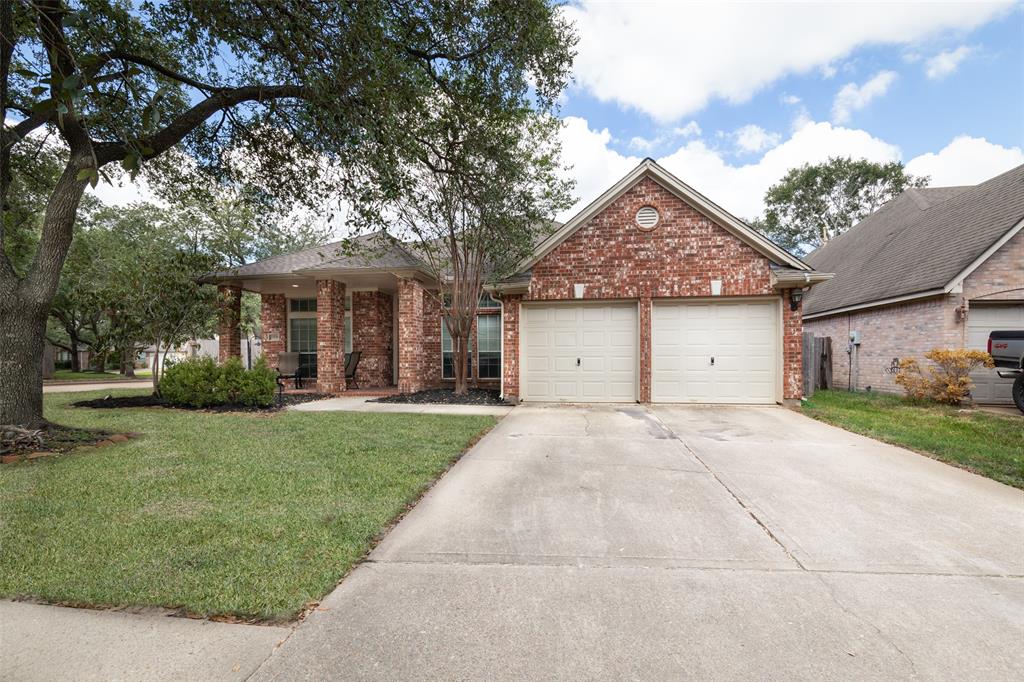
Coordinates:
x,y
448,354
302,333
488,346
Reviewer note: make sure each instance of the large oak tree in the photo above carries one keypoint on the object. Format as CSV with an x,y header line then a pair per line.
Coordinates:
x,y
269,91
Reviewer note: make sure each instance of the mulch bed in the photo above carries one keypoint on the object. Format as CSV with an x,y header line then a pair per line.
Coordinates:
x,y
153,401
21,444
446,396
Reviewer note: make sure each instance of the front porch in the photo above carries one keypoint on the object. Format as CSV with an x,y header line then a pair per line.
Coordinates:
x,y
326,317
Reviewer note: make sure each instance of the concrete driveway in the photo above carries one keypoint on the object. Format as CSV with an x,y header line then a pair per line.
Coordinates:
x,y
702,543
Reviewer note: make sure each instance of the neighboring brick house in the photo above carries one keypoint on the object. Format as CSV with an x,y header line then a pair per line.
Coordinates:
x,y
652,293
933,268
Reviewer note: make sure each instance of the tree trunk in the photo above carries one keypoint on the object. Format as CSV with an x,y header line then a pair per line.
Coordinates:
x,y
22,336
156,368
76,364
460,347
128,364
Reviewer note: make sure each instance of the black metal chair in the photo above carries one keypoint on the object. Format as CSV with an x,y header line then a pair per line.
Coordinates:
x,y
351,363
288,368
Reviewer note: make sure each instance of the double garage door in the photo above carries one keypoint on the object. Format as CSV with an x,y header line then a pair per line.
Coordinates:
x,y
701,352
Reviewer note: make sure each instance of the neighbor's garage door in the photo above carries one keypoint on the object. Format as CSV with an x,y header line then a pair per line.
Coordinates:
x,y
715,352
988,387
579,352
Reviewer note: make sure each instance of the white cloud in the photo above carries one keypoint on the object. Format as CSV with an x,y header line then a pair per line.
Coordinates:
x,y
946,62
124,191
594,165
966,161
689,130
642,143
791,100
753,138
852,97
668,60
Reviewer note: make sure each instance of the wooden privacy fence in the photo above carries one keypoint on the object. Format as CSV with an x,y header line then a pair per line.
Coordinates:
x,y
817,356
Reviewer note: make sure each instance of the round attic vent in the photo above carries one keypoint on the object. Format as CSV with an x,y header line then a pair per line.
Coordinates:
x,y
647,217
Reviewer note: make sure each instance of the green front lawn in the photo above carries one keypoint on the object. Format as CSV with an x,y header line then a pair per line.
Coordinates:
x,y
247,515
987,444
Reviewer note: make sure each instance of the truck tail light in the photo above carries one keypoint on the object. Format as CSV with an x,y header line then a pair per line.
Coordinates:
x,y
989,345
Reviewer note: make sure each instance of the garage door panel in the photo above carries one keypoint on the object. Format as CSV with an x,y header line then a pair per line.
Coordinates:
x,y
989,387
601,337
742,338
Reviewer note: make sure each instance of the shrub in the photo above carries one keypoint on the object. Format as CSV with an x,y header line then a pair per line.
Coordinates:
x,y
201,382
948,381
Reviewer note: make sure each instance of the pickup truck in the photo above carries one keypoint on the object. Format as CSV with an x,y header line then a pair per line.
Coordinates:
x,y
1007,351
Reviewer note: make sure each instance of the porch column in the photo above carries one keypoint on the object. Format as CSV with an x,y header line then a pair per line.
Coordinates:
x,y
229,313
410,336
273,326
330,336
372,334
510,314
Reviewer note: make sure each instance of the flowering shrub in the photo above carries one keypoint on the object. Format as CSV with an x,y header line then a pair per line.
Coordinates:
x,y
948,380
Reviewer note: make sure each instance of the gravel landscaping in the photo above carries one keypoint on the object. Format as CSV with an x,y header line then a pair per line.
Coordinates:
x,y
446,396
108,402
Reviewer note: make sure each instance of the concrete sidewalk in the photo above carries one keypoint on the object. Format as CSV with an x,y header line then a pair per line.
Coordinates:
x,y
80,386
365,404
45,643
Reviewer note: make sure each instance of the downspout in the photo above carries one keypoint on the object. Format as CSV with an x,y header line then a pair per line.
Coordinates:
x,y
501,347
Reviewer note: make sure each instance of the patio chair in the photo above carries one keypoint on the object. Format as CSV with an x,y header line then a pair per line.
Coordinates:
x,y
351,362
288,368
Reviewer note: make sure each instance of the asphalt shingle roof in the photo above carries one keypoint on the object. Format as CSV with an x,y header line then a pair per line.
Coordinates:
x,y
917,242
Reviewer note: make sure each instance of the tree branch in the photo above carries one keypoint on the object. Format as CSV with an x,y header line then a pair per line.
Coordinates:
x,y
120,55
188,121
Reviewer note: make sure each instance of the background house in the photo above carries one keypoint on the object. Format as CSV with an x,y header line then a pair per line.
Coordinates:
x,y
933,268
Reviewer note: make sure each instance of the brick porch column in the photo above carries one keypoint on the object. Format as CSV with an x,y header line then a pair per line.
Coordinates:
x,y
330,336
371,335
229,313
273,326
410,336
510,346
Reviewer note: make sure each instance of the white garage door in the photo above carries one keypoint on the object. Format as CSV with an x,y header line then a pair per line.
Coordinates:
x,y
579,352
714,352
988,387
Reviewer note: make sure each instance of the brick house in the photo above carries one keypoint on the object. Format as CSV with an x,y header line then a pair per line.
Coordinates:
x,y
933,268
652,293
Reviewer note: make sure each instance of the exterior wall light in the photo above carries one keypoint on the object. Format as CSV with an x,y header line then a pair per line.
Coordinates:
x,y
795,296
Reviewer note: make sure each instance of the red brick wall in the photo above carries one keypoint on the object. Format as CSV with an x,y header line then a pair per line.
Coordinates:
x,y
273,326
372,333
615,259
510,345
792,351
411,352
230,312
431,340
330,336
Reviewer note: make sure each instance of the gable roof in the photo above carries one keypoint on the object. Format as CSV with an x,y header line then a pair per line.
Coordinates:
x,y
922,243
650,168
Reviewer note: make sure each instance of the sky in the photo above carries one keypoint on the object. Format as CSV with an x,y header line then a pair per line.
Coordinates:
x,y
729,97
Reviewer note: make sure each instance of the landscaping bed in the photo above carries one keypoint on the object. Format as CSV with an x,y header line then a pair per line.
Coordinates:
x,y
215,514
121,401
987,444
446,396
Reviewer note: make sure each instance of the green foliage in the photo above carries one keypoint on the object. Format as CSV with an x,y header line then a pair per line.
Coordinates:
x,y
201,382
815,203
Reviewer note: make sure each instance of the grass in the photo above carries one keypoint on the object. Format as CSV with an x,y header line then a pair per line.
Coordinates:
x,y
68,375
987,444
243,515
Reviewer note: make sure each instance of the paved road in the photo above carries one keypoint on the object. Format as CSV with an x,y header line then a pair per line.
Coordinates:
x,y
705,543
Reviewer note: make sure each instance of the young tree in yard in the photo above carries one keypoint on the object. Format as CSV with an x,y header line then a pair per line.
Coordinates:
x,y
298,86
815,203
482,190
